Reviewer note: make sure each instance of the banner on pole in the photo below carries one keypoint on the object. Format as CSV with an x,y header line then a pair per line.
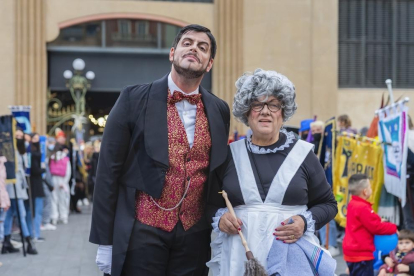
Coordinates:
x,y
393,132
22,115
356,157
8,146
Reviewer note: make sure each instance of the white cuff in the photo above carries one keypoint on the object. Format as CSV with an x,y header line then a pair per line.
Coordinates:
x,y
104,258
216,219
309,221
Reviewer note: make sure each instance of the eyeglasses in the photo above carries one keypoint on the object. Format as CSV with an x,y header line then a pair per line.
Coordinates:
x,y
258,106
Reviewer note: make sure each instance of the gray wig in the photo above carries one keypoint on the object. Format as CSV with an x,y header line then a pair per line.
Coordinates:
x,y
251,87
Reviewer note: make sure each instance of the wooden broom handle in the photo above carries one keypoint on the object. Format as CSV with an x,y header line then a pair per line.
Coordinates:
x,y
231,210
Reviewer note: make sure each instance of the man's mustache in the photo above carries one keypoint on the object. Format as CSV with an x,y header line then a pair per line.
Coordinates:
x,y
186,55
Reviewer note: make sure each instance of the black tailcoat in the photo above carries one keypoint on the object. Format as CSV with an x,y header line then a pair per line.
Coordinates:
x,y
134,156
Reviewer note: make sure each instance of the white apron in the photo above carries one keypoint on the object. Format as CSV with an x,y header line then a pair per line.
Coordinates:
x,y
259,218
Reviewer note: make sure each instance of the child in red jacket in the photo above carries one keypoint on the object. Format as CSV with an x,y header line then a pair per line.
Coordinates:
x,y
361,226
401,259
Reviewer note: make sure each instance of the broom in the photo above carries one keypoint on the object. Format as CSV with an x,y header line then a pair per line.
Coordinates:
x,y
252,266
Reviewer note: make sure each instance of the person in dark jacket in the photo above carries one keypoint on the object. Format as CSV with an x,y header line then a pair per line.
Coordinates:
x,y
92,172
146,218
36,185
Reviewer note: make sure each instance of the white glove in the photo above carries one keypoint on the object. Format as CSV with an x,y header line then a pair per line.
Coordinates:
x,y
104,258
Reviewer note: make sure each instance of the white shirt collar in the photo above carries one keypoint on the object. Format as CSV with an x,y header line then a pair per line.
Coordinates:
x,y
173,87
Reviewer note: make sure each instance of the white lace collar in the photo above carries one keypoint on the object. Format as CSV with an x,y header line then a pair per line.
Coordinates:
x,y
290,136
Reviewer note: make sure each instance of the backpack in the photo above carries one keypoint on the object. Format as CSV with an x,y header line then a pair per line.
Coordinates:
x,y
58,167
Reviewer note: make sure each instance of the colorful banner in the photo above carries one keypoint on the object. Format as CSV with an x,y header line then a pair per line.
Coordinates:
x,y
393,132
8,145
327,149
389,207
356,157
22,115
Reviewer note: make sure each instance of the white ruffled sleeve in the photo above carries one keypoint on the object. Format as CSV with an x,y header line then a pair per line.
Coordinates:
x,y
216,220
310,222
216,245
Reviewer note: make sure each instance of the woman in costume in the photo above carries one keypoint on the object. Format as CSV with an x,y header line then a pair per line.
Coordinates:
x,y
274,181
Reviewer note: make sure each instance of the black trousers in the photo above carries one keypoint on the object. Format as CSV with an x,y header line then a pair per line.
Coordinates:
x,y
154,252
363,268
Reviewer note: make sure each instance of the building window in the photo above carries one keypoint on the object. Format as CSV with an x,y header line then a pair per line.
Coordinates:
x,y
124,28
376,42
131,33
118,35
86,34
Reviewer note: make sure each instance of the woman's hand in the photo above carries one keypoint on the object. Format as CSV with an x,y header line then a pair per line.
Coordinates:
x,y
229,224
403,268
290,233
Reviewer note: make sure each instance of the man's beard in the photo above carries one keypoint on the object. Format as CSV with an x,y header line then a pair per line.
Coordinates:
x,y
188,73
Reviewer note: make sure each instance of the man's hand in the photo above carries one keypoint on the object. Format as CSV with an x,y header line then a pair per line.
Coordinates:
x,y
290,233
403,268
229,224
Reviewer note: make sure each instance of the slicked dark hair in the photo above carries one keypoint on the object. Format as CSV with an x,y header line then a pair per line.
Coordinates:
x,y
198,29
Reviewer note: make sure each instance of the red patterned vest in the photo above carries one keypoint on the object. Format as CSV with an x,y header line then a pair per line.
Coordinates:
x,y
185,164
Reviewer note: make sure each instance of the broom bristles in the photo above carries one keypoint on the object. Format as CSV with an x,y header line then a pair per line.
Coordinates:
x,y
254,268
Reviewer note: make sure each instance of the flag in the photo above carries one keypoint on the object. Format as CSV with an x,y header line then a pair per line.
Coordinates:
x,y
355,157
393,131
22,115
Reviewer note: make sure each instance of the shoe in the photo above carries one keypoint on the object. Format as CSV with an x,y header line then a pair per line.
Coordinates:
x,y
31,248
16,244
65,221
8,246
54,222
85,202
334,251
47,227
40,239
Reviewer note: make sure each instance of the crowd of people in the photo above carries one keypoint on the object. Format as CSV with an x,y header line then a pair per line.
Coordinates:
x,y
357,238
45,191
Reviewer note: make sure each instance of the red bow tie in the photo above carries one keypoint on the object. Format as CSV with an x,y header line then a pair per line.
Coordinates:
x,y
178,97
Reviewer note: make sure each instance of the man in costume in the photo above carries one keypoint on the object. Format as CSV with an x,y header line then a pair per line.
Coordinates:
x,y
162,142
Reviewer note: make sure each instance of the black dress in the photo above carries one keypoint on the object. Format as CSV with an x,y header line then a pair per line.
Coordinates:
x,y
308,186
36,181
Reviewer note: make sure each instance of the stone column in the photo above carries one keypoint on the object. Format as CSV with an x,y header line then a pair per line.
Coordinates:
x,y
228,64
31,67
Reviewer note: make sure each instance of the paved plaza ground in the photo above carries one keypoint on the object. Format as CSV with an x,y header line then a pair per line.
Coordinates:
x,y
67,252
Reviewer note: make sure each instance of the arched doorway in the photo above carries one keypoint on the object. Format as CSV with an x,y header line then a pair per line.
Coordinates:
x,y
121,51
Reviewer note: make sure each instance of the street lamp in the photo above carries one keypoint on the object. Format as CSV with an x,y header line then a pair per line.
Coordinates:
x,y
78,86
